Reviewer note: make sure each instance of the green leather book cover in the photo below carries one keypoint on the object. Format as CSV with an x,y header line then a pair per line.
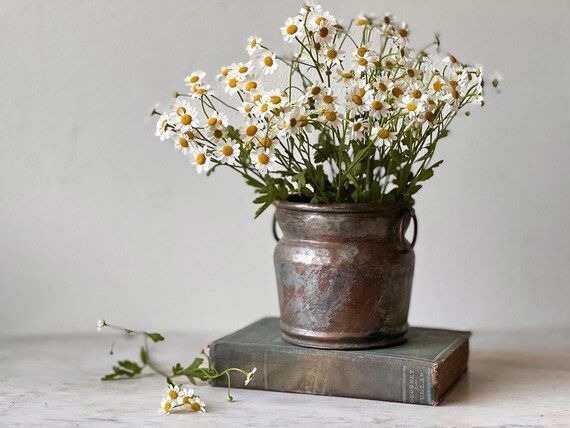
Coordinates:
x,y
420,371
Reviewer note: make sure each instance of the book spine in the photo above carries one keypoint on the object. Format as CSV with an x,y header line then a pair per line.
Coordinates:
x,y
315,372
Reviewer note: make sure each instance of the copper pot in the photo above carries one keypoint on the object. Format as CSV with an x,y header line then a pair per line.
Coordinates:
x,y
344,273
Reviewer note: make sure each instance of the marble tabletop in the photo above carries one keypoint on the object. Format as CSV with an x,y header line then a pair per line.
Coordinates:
x,y
516,378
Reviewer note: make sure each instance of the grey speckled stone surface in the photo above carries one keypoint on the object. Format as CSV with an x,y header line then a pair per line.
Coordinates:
x,y
514,379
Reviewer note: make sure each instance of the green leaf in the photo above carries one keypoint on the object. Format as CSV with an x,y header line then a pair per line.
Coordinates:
x,y
155,337
123,369
144,355
195,364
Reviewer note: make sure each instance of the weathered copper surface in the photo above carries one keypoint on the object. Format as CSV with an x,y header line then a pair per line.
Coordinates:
x,y
344,274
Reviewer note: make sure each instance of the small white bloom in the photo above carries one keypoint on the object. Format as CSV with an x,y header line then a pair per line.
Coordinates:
x,y
332,118
253,45
182,143
246,108
184,116
293,28
333,56
163,127
411,106
363,63
100,324
384,85
358,98
231,85
268,62
172,392
185,396
319,18
251,130
382,136
346,76
357,129
201,159
316,91
329,100
325,32
194,78
263,160
227,152
197,405
166,406
216,134
241,70
217,120
378,107
453,62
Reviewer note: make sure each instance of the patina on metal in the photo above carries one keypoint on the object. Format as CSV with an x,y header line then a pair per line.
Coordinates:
x,y
344,273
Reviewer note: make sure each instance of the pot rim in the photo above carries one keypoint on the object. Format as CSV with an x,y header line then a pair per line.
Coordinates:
x,y
345,207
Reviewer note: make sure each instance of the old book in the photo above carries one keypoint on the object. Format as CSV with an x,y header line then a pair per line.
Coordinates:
x,y
420,371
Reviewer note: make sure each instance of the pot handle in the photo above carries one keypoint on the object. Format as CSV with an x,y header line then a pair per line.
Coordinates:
x,y
410,214
274,227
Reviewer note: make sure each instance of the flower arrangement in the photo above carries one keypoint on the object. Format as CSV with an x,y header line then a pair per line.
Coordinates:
x,y
358,120
177,397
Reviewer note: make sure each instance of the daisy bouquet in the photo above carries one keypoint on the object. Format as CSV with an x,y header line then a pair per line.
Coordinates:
x,y
358,118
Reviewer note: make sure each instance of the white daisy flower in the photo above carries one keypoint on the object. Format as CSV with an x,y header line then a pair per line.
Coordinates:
x,y
293,28
324,33
253,45
412,73
316,91
378,107
363,63
197,405
402,33
201,159
437,87
228,152
224,73
217,120
417,91
358,98
163,127
398,89
357,129
319,18
333,56
453,62
246,108
389,62
263,160
275,98
231,85
328,100
268,62
251,85
362,20
166,406
242,70
194,78
382,136
332,118
411,106
361,51
251,130
345,76
184,115
217,133
199,90
292,122
182,144
384,85
172,392
310,6
185,396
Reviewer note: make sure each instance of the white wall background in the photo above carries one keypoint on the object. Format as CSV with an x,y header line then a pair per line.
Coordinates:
x,y
99,219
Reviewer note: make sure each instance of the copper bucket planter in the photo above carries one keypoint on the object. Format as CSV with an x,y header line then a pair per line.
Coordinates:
x,y
344,273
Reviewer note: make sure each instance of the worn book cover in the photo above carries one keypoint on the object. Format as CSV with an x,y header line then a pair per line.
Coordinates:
x,y
420,371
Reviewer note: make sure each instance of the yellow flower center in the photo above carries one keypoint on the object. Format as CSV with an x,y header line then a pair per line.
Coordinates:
x,y
292,122
403,32
256,98
452,59
383,133
455,94
263,158
243,69
357,127
410,72
377,105
225,71
357,99
200,160
454,84
218,133
212,121
388,64
316,90
227,150
186,119
183,142
194,79
330,116
430,117
331,54
417,94
361,50
323,32
253,43
190,135
437,85
195,406
275,99
180,111
232,83
198,89
347,75
251,130
397,92
362,61
291,29
328,99
319,20
264,108
411,106
250,85
173,394
361,21
167,407
186,400
247,109
268,61
266,142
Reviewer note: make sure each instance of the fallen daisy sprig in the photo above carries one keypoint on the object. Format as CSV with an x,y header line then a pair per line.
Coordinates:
x,y
176,396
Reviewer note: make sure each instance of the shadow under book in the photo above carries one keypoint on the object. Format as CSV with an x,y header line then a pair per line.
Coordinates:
x,y
421,371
